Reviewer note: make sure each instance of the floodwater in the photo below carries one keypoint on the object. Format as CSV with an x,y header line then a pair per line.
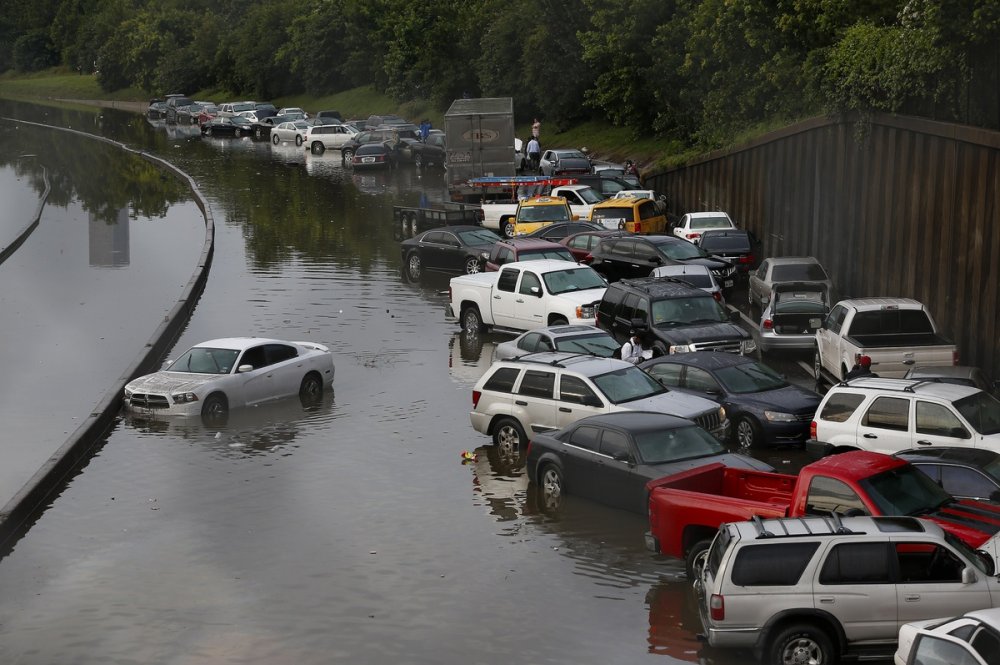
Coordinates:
x,y
348,532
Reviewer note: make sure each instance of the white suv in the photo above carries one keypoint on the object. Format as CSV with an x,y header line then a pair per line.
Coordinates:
x,y
319,138
889,415
541,392
806,590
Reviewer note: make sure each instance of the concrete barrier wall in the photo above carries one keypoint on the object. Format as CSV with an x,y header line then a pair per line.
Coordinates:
x,y
22,235
27,504
895,207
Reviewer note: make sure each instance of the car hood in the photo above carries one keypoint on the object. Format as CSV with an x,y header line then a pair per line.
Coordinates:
x,y
170,382
672,402
694,334
790,399
585,297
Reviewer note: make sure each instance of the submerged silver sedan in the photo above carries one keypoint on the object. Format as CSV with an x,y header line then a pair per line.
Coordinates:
x,y
215,376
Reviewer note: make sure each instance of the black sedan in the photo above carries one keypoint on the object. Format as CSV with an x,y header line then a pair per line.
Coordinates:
x,y
235,126
610,457
455,249
375,156
763,406
965,473
559,230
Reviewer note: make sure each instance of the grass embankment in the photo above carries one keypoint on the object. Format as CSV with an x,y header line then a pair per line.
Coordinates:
x,y
602,140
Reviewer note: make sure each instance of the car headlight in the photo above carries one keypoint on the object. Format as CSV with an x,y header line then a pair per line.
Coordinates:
x,y
748,346
184,398
722,414
681,348
585,312
779,417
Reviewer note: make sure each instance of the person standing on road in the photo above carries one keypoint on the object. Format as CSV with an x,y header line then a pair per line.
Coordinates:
x,y
534,153
536,129
632,348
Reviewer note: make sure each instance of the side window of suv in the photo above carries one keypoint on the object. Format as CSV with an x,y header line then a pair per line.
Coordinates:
x,y
573,389
508,280
856,563
938,420
774,564
628,309
624,249
502,380
827,495
888,413
537,384
609,303
644,252
927,563
840,406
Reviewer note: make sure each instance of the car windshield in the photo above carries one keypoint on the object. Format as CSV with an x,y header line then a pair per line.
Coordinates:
x,y
684,311
598,344
680,250
674,445
203,360
738,244
749,377
623,212
570,154
700,280
478,237
710,222
573,279
547,253
589,195
905,491
798,271
627,384
543,213
982,410
237,108
970,556
799,302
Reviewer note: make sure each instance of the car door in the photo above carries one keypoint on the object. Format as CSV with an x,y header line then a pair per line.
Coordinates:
x,y
578,460
432,250
534,401
286,369
855,584
576,400
755,284
257,384
645,259
620,259
930,582
529,305
681,227
828,336
452,253
617,482
503,296
885,426
937,425
624,315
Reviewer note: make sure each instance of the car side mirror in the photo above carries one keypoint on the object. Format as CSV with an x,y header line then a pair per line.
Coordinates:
x,y
638,324
987,561
968,575
535,291
657,260
244,368
623,456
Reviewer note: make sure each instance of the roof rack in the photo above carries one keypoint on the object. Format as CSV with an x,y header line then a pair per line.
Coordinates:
x,y
758,524
908,388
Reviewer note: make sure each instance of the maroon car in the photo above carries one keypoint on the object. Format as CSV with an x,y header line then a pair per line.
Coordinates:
x,y
580,244
524,249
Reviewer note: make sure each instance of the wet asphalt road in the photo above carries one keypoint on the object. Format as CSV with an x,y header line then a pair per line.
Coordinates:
x,y
349,532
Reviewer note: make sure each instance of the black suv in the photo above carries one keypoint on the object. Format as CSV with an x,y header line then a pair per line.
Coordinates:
x,y
734,245
671,317
380,135
638,256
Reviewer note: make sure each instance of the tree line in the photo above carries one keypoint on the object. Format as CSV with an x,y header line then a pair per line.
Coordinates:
x,y
695,71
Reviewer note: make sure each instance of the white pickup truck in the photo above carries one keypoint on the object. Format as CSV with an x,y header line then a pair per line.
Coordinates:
x,y
525,295
500,215
896,333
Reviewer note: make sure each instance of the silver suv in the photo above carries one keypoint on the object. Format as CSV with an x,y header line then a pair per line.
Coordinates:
x,y
541,392
806,590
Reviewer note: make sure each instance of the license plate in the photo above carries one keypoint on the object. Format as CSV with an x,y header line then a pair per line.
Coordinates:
x,y
726,283
367,160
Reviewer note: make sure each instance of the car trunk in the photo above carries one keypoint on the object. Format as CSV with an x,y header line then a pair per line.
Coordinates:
x,y
798,308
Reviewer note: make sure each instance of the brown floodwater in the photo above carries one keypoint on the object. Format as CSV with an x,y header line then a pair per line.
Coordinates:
x,y
350,531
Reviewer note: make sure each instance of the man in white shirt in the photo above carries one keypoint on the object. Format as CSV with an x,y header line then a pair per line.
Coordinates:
x,y
534,153
632,349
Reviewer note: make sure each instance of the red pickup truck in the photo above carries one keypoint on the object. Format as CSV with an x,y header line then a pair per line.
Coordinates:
x,y
687,508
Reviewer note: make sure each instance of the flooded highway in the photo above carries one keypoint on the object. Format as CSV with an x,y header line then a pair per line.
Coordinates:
x,y
349,531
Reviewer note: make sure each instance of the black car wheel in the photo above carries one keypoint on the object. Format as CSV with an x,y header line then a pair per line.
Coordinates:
x,y
801,643
215,409
550,483
471,320
298,140
274,139
747,433
507,228
413,265
311,387
509,438
418,161
347,155
694,560
318,148
208,131
471,265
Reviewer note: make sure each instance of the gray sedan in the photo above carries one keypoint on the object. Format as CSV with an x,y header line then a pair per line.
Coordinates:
x,y
564,162
574,339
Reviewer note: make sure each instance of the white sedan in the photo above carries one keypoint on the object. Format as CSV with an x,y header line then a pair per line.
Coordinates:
x,y
213,377
970,639
692,225
294,130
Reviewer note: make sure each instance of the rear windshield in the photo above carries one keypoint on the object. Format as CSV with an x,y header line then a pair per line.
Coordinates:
x,y
798,271
799,302
726,244
611,213
891,322
548,253
710,222
698,280
675,444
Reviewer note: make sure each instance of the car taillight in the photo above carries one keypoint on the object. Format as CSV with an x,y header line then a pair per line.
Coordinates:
x,y
692,236
476,394
717,607
954,357
746,259
527,450
717,295
588,259
767,325
812,430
